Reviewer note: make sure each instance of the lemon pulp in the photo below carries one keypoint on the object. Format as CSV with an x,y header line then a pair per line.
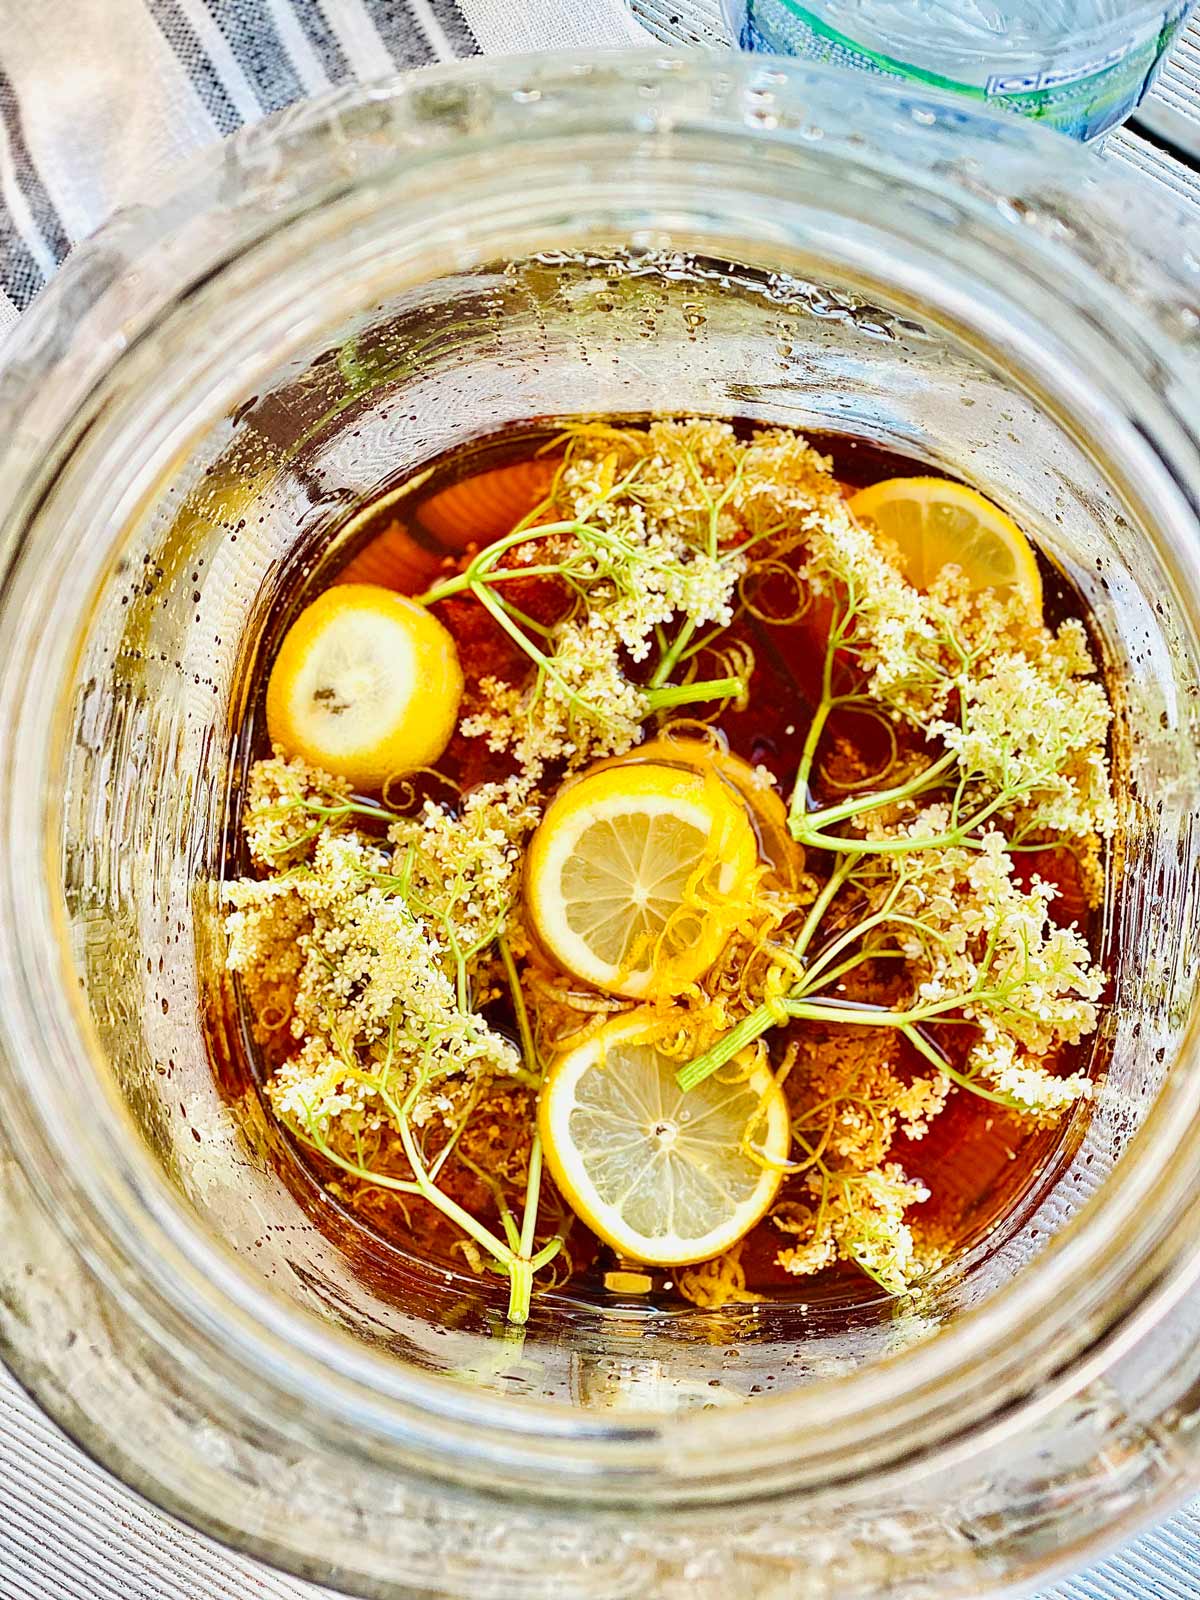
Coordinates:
x,y
366,685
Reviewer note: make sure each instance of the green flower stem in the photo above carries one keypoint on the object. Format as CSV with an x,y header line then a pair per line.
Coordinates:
x,y
527,1262
795,1008
312,1138
484,1237
520,1290
821,905
937,1059
819,973
734,1042
800,790
686,694
520,1011
670,659
532,1188
544,663
757,1023
480,568
962,835
816,727
809,827
346,808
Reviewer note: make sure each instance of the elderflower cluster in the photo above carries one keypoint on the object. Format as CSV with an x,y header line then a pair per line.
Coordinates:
x,y
855,1216
587,710
288,803
983,945
1019,705
339,951
849,1099
649,561
461,869
1033,728
895,635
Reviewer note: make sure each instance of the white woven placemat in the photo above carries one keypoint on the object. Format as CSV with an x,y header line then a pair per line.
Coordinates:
x,y
75,144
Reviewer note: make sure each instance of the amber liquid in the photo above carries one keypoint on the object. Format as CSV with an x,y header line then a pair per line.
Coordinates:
x,y
982,1164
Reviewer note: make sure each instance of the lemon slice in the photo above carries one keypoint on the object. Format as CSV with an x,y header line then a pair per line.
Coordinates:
x,y
665,1177
366,685
936,523
637,875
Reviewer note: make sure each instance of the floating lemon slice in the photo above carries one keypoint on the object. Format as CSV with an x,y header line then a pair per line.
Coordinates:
x,y
366,685
665,1177
637,875
936,523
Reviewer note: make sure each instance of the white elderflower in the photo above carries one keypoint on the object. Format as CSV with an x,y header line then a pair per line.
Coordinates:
x,y
1035,733
288,803
368,977
971,931
462,869
855,1216
999,1060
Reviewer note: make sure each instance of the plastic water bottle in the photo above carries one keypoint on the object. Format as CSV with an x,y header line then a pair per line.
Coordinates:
x,y
1080,65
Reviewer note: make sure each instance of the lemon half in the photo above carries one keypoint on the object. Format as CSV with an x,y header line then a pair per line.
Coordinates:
x,y
637,875
366,685
935,523
665,1177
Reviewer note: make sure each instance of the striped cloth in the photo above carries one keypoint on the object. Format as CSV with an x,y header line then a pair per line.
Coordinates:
x,y
99,96
97,99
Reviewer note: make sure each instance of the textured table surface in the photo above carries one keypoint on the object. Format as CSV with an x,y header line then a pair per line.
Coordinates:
x,y
68,1531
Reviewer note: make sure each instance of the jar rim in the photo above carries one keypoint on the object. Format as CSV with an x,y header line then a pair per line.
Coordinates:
x,y
1033,1332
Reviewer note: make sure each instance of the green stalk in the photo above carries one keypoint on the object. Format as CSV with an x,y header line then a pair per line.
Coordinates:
x,y
815,728
757,1023
959,836
821,904
873,1017
520,1010
923,1047
520,1290
686,694
521,1272
540,659
671,657
429,1191
794,1008
809,827
526,1263
733,1043
796,811
479,569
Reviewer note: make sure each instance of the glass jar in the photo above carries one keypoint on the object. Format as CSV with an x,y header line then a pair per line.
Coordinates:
x,y
212,386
